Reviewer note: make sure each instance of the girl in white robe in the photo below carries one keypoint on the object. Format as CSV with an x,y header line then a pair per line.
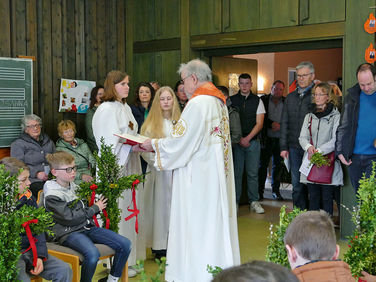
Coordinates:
x,y
114,116
163,114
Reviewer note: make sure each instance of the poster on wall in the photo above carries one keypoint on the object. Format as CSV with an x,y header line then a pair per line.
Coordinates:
x,y
75,95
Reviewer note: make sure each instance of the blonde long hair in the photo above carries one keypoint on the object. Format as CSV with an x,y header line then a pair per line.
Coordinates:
x,y
153,125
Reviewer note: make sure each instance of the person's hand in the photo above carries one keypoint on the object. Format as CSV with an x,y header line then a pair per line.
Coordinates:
x,y
311,150
276,126
137,148
343,160
244,142
285,154
368,277
42,176
38,268
147,145
101,203
86,177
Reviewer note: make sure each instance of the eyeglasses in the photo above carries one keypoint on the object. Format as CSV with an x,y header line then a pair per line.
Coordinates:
x,y
320,95
303,75
68,169
182,80
34,126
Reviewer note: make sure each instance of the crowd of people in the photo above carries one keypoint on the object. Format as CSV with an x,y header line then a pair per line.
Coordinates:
x,y
200,139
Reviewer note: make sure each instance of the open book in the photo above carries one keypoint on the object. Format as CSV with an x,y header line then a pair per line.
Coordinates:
x,y
132,139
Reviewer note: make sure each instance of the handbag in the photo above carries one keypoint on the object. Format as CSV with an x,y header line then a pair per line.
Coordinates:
x,y
323,174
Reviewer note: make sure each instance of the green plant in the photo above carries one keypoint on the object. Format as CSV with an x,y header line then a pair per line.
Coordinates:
x,y
109,183
156,278
276,251
361,254
213,270
11,220
319,159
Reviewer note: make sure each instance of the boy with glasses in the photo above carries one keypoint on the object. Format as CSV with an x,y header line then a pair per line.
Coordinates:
x,y
74,226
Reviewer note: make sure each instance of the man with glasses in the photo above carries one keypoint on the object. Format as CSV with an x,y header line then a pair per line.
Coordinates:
x,y
31,147
356,134
294,111
203,224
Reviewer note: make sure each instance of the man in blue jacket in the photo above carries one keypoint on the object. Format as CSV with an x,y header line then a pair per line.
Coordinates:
x,y
356,134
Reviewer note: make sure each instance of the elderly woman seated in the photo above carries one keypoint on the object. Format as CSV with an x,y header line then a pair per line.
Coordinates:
x,y
32,147
83,157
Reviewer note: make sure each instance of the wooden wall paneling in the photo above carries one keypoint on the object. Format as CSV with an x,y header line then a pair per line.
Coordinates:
x,y
205,16
5,42
47,113
111,34
32,46
279,13
121,27
80,51
167,64
323,11
144,19
57,62
18,27
184,31
242,15
79,13
101,41
167,19
129,25
91,40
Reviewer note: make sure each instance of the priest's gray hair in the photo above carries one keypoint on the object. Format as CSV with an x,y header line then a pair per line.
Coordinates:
x,y
306,64
26,119
198,68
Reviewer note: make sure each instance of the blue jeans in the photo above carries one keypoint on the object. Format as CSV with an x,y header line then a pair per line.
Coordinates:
x,y
250,158
360,164
321,196
299,190
83,242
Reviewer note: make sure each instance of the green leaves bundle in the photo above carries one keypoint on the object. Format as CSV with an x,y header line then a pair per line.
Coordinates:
x,y
361,254
110,184
319,159
276,251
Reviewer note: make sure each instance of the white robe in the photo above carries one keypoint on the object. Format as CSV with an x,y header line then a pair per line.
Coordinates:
x,y
115,117
157,200
203,226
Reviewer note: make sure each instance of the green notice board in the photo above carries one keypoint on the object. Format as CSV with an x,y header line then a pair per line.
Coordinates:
x,y
16,96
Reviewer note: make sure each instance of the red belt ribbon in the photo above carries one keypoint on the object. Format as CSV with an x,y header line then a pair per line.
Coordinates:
x,y
32,240
134,211
93,187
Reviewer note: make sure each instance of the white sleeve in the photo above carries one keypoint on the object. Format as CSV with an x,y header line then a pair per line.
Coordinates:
x,y
260,108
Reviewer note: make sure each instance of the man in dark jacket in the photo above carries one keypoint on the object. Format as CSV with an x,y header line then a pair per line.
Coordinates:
x,y
294,111
270,138
247,151
47,267
356,134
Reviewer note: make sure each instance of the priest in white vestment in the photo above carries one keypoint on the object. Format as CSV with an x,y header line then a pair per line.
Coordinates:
x,y
203,226
114,116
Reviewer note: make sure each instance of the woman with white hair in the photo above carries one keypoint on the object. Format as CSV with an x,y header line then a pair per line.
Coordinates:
x,y
32,147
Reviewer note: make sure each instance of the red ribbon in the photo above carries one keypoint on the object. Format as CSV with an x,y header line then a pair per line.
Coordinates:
x,y
31,239
93,187
134,211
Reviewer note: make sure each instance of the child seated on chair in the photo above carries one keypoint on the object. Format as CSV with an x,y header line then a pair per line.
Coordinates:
x,y
312,251
48,267
74,225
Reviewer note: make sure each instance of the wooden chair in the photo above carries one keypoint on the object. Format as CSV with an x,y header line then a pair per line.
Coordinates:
x,y
74,258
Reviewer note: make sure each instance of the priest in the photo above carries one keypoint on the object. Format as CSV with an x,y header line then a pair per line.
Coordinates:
x,y
203,227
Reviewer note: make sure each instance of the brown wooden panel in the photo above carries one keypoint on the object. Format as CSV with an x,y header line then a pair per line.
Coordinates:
x,y
111,34
80,38
18,27
120,15
4,152
5,37
57,61
32,46
101,41
91,39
